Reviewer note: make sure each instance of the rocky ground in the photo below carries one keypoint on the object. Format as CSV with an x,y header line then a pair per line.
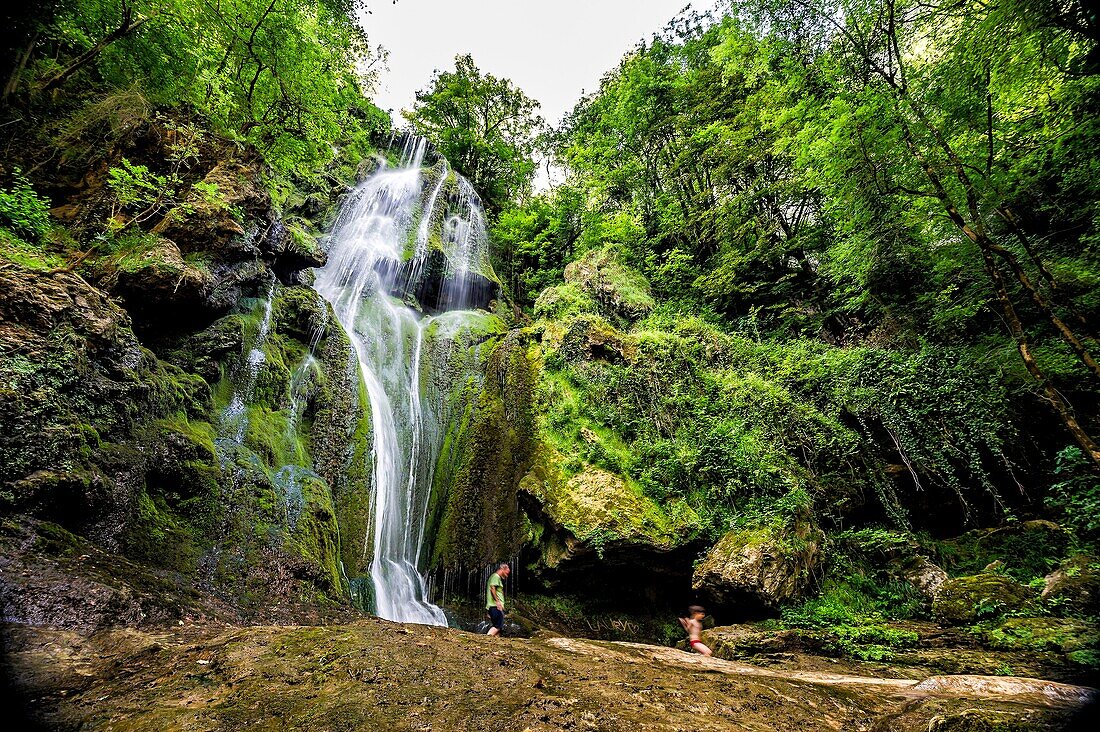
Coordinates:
x,y
94,642
376,675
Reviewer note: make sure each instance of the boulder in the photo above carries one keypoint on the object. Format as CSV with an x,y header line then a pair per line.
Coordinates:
x,y
600,510
766,566
564,301
620,291
591,338
926,576
210,217
1075,585
295,248
965,600
598,518
156,276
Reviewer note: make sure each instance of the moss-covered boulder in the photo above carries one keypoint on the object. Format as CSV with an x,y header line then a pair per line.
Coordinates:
x,y
1075,585
765,566
601,514
589,338
151,275
621,292
1062,635
964,600
564,301
296,248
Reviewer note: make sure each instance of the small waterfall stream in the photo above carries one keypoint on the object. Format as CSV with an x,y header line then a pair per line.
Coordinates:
x,y
408,235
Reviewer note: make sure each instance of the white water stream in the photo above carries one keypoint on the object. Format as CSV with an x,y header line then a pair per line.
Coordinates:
x,y
387,218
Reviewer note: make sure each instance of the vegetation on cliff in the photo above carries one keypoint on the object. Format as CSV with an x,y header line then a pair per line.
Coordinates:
x,y
867,238
168,168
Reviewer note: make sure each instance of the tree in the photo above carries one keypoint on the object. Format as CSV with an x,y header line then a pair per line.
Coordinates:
x,y
956,107
284,75
485,126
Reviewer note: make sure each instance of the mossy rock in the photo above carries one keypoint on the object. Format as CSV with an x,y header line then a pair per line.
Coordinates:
x,y
473,514
1061,635
965,600
621,292
158,284
602,510
767,566
299,313
564,301
591,338
213,223
1075,585
972,720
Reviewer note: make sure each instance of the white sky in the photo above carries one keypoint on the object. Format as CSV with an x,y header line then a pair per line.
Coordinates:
x,y
554,50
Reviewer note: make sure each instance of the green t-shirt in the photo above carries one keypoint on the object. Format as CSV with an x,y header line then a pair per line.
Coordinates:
x,y
494,581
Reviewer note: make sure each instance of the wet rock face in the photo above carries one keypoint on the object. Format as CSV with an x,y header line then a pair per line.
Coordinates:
x,y
964,600
433,288
761,567
72,376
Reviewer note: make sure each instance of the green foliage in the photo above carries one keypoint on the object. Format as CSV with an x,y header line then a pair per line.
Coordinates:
x,y
764,166
1075,495
287,77
23,211
849,623
485,126
1026,551
732,425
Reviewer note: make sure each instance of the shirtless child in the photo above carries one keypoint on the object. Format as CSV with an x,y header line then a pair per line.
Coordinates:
x,y
693,624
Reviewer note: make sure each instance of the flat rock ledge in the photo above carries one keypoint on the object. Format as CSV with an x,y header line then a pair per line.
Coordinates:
x,y
377,675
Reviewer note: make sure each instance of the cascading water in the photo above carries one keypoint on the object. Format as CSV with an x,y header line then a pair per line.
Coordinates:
x,y
234,420
415,235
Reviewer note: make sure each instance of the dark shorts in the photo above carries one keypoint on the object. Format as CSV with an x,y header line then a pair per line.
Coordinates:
x,y
497,618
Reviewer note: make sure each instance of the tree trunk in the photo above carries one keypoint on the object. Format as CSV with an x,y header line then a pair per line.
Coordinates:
x,y
17,72
1012,319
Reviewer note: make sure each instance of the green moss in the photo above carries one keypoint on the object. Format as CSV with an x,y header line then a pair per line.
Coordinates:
x,y
30,256
299,313
564,301
599,507
55,540
1041,634
964,600
315,536
156,536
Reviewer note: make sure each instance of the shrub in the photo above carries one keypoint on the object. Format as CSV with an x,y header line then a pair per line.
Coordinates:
x,y
23,211
1075,497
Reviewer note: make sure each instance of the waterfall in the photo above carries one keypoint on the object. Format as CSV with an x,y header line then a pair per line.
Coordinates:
x,y
407,236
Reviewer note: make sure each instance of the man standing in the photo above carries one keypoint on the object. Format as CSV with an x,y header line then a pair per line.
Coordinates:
x,y
494,598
